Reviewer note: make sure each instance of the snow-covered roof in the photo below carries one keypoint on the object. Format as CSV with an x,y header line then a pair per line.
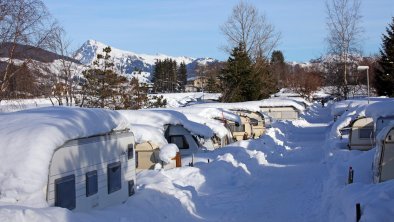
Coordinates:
x,y
346,118
159,118
380,109
145,133
28,139
340,107
255,105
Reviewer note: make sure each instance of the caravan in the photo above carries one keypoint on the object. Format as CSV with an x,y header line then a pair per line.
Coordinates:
x,y
92,172
185,141
361,136
384,156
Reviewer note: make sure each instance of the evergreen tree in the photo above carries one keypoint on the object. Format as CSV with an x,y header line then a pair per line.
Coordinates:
x,y
102,86
237,82
182,76
384,77
165,76
278,67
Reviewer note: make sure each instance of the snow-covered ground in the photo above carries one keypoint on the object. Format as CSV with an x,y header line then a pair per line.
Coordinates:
x,y
295,172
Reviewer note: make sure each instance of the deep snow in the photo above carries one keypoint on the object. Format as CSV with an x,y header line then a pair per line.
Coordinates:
x,y
295,172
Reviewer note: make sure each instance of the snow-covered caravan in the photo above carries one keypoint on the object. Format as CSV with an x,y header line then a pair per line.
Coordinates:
x,y
92,172
241,131
382,122
186,142
281,112
362,135
384,156
148,155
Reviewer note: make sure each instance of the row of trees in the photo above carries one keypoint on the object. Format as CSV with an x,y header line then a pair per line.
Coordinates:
x,y
168,77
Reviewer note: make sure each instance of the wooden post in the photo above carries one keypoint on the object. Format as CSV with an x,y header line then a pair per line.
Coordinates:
x,y
350,175
358,212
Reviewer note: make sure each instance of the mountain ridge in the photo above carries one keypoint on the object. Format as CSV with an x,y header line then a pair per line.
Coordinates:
x,y
126,62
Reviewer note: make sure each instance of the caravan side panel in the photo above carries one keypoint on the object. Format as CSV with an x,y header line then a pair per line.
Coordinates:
x,y
386,165
103,168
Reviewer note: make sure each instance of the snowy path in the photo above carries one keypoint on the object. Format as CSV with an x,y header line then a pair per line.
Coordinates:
x,y
241,185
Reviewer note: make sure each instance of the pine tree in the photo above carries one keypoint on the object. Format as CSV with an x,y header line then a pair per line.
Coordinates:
x,y
384,77
182,76
237,82
102,87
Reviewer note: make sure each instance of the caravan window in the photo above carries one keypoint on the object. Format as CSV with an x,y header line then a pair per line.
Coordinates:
x,y
114,177
130,151
91,183
180,141
65,192
235,128
365,133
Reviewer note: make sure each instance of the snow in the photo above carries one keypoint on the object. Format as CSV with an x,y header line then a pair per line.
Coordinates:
x,y
255,105
168,152
294,172
145,133
380,109
160,118
211,117
28,140
182,99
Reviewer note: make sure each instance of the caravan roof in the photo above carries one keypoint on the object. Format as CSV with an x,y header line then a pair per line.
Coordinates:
x,y
30,137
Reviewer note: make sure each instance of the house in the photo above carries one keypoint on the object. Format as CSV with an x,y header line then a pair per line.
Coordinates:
x,y
92,172
196,84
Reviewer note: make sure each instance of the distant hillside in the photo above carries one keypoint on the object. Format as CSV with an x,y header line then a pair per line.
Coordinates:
x,y
126,62
24,51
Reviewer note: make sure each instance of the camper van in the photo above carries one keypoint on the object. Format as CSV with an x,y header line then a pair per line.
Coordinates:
x,y
361,136
281,112
384,157
242,131
186,142
147,155
92,172
382,122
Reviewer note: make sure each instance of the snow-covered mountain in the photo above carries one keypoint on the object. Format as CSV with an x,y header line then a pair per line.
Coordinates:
x,y
126,62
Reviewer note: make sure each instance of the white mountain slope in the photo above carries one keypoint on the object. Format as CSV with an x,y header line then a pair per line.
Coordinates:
x,y
126,62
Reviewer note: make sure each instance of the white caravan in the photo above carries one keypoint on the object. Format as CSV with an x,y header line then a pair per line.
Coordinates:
x,y
185,141
362,135
281,112
384,156
92,172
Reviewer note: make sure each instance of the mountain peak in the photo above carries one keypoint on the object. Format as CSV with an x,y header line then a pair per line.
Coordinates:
x,y
126,62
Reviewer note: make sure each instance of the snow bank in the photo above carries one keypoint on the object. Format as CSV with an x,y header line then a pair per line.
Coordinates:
x,y
159,118
28,139
168,152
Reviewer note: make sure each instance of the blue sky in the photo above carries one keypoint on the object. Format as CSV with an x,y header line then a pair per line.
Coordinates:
x,y
191,28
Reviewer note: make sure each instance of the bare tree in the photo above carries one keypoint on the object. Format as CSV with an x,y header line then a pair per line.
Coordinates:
x,y
344,34
64,85
246,25
305,81
22,22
